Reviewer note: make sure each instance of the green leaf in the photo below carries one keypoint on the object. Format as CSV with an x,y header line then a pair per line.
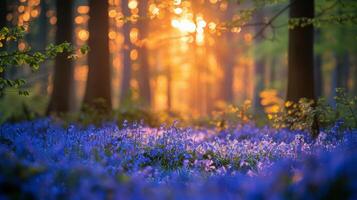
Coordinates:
x,y
84,49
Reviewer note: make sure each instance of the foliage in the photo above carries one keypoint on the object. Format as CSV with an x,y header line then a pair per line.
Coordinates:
x,y
303,114
26,57
43,160
346,108
231,116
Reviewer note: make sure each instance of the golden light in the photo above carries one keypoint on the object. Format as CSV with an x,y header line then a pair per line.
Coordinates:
x,y
178,11
134,54
184,25
134,34
133,4
34,13
154,10
83,9
21,9
26,17
112,13
175,23
201,23
212,26
176,67
83,35
199,30
271,101
199,39
134,18
79,20
112,35
236,30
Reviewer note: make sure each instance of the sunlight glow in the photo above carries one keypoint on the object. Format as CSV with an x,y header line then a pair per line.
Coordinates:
x,y
154,10
83,9
178,11
184,25
133,4
83,35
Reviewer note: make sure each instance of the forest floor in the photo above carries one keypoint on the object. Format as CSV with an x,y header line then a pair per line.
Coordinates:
x,y
41,159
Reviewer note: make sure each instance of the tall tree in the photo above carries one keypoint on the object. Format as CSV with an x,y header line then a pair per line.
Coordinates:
x,y
224,50
125,84
99,79
63,72
144,71
301,57
259,69
228,66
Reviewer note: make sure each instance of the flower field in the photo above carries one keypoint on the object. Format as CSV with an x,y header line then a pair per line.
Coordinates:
x,y
42,160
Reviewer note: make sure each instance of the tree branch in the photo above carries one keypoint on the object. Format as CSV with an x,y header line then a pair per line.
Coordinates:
x,y
271,20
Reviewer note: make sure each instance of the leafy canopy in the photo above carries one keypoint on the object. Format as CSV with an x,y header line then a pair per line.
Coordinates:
x,y
27,57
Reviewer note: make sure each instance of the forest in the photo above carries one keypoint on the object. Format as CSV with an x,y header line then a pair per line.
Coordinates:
x,y
178,99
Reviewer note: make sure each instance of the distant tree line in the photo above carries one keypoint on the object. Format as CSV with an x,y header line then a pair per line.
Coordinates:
x,y
304,66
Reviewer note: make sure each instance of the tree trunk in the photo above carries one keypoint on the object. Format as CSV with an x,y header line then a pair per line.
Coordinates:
x,y
63,72
228,77
301,56
144,71
259,82
259,71
224,53
125,84
99,80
